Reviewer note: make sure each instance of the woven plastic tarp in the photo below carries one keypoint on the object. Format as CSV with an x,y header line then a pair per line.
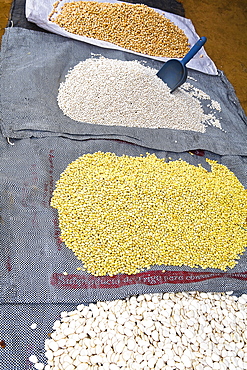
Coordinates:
x,y
21,341
33,64
34,258
38,13
33,286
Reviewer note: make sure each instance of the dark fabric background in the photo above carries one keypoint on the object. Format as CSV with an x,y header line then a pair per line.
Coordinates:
x,y
19,165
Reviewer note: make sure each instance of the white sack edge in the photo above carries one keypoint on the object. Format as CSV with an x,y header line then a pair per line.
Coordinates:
x,y
38,13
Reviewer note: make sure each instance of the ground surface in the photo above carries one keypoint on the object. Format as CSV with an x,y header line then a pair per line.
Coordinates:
x,y
224,24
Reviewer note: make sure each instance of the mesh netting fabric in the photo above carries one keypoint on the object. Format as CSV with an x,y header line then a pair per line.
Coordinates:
x,y
22,341
31,75
35,258
33,286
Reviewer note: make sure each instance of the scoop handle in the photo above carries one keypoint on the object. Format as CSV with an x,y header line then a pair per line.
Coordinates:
x,y
198,45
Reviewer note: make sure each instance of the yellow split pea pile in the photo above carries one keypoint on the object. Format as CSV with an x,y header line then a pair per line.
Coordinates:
x,y
125,214
134,27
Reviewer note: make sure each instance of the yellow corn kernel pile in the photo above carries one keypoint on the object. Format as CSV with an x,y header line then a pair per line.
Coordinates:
x,y
125,214
132,26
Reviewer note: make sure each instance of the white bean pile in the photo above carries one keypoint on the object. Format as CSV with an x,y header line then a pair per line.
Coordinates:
x,y
126,93
170,331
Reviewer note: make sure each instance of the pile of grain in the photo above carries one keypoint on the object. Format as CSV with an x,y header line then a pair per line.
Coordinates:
x,y
182,331
125,214
134,27
126,93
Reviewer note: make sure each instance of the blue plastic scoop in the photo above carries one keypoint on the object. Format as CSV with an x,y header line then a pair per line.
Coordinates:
x,y
173,72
